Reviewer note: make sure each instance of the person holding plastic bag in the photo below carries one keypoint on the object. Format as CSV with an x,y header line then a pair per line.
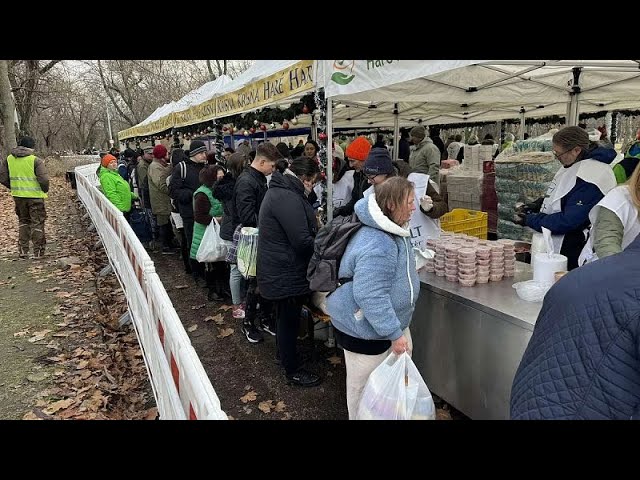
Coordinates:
x,y
206,208
371,313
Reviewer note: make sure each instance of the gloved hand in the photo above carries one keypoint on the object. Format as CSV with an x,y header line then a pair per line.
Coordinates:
x,y
520,218
533,207
426,203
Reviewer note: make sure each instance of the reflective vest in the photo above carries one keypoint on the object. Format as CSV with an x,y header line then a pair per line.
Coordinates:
x,y
22,177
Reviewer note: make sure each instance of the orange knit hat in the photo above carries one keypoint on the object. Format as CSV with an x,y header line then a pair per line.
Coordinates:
x,y
358,149
107,159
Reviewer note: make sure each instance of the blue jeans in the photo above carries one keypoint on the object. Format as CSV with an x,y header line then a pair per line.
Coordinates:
x,y
237,285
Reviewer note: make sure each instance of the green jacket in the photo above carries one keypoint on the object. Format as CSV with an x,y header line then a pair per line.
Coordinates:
x,y
425,158
116,189
198,228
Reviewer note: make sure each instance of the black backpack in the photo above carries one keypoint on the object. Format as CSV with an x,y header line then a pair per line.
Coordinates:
x,y
329,246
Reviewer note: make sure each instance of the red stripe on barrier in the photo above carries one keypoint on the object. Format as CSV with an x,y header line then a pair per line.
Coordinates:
x,y
175,373
160,332
192,414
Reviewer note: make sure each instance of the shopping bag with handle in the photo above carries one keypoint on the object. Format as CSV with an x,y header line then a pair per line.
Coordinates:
x,y
396,391
212,248
248,251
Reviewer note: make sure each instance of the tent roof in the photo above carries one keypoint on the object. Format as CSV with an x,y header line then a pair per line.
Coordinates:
x,y
450,91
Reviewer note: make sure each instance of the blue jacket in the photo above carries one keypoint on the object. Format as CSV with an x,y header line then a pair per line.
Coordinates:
x,y
576,204
379,302
583,359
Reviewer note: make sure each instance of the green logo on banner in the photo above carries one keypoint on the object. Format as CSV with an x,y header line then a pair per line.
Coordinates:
x,y
343,65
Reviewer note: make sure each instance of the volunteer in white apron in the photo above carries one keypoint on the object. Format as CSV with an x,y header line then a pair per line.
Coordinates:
x,y
584,179
342,179
614,221
423,224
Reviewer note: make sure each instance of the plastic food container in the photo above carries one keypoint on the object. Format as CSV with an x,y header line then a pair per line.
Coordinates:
x,y
467,282
483,261
439,273
482,279
531,290
451,278
467,270
496,277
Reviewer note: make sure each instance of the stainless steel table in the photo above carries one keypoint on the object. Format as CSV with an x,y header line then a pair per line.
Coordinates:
x,y
468,341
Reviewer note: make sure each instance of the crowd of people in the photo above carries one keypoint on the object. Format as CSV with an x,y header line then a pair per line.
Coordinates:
x,y
581,361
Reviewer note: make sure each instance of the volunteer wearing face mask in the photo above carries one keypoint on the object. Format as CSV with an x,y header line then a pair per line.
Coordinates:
x,y
288,227
585,177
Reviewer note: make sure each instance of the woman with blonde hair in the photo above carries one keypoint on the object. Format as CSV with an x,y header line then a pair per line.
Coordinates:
x,y
372,309
615,220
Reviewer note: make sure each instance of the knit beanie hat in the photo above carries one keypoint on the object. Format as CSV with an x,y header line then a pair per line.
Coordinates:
x,y
358,149
338,152
107,159
27,142
159,151
378,162
418,132
196,147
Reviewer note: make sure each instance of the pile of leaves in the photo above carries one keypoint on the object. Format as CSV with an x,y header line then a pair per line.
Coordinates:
x,y
98,366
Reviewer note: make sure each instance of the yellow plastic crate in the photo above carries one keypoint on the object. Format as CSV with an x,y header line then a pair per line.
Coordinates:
x,y
461,220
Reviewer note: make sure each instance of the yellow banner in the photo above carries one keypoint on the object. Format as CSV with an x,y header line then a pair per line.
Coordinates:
x,y
295,79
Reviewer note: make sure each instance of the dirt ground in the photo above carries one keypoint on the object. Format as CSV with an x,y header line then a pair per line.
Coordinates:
x,y
236,368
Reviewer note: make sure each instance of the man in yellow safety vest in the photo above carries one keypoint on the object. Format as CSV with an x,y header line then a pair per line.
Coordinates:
x,y
26,176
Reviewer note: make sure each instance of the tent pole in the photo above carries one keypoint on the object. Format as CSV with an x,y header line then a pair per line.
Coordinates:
x,y
396,132
574,101
329,107
522,112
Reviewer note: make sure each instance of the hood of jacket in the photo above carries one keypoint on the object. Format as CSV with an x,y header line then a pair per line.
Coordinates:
x,y
602,154
288,181
370,214
21,152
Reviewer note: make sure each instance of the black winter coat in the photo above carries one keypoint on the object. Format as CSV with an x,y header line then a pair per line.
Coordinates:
x,y
250,189
223,191
287,229
181,190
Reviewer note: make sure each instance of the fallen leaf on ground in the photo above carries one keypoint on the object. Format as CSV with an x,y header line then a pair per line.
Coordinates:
x,y
22,333
82,364
249,397
266,406
60,335
63,295
224,332
60,404
198,307
42,280
287,416
180,287
334,360
229,417
224,308
280,406
152,414
54,289
442,415
248,387
31,416
193,328
216,318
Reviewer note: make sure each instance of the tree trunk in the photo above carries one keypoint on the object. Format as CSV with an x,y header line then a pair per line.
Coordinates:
x,y
7,108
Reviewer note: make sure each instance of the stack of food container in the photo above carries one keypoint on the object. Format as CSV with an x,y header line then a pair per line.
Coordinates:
x,y
509,257
467,271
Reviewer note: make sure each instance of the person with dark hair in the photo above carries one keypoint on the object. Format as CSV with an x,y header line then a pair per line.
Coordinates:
x,y
404,147
298,151
251,187
583,180
284,150
211,157
282,165
288,228
379,143
223,191
311,149
185,179
454,147
434,134
127,163
372,312
26,176
205,208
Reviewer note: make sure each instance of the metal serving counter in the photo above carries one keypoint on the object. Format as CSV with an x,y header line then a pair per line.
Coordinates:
x,y
468,341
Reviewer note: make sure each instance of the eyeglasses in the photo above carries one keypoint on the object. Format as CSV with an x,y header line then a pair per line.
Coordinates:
x,y
558,155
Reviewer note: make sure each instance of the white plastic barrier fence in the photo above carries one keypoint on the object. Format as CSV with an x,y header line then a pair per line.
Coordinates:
x,y
180,385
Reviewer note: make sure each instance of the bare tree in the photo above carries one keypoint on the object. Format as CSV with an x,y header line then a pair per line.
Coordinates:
x,y
7,107
27,78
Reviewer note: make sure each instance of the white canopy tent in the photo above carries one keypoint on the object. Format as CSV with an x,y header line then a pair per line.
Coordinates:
x,y
394,92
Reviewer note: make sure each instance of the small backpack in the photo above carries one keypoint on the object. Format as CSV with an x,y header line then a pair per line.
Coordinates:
x,y
329,246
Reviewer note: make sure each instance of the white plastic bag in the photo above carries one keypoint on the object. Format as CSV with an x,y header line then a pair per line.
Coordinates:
x,y
396,391
212,248
248,251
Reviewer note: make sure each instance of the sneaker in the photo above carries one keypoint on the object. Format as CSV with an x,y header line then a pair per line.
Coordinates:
x,y
213,296
252,333
267,325
303,378
238,313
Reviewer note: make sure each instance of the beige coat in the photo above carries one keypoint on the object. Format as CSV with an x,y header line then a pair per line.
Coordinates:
x,y
158,189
